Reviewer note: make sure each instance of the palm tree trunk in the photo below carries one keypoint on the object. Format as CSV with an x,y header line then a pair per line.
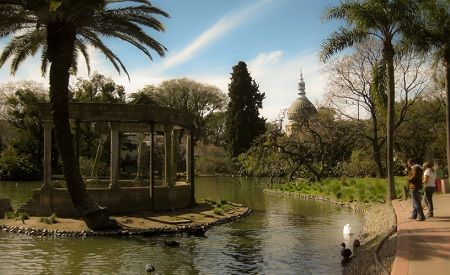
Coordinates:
x,y
447,92
60,39
388,52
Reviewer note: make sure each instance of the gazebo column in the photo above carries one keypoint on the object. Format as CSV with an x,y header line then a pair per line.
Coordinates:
x,y
139,140
168,155
190,163
152,172
174,156
47,125
98,155
114,156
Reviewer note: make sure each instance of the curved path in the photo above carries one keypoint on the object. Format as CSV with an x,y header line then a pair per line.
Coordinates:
x,y
423,247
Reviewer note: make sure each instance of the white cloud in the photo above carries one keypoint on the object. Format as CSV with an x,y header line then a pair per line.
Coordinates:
x,y
221,27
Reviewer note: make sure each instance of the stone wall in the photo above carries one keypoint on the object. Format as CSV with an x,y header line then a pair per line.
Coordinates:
x,y
125,200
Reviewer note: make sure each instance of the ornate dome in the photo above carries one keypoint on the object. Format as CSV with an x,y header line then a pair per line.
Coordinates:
x,y
301,108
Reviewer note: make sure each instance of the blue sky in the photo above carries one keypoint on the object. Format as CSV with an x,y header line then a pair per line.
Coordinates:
x,y
205,38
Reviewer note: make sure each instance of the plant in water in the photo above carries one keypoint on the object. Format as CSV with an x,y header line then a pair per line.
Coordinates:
x,y
50,219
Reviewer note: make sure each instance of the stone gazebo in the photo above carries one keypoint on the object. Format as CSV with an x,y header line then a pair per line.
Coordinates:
x,y
142,120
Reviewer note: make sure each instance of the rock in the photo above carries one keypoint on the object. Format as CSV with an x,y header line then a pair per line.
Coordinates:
x,y
5,206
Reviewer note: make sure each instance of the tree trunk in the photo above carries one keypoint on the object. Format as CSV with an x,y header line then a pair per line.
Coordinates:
x,y
388,52
60,40
447,92
377,158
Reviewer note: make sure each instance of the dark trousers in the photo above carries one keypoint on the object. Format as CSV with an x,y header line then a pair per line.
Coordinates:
x,y
429,198
417,207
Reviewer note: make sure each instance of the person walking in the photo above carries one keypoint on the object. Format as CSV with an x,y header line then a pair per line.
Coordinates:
x,y
415,185
429,180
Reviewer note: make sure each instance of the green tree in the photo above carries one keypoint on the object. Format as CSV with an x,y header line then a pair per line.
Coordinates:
x,y
430,32
382,20
98,88
63,30
201,99
243,123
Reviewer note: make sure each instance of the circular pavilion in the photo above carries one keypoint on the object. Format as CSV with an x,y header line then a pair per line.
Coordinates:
x,y
115,119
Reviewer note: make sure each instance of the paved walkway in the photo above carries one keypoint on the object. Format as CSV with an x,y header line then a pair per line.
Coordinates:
x,y
423,247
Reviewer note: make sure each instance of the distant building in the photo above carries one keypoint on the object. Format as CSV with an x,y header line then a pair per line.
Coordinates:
x,y
301,110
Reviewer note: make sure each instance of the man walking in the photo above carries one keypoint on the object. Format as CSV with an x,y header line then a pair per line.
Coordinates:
x,y
415,185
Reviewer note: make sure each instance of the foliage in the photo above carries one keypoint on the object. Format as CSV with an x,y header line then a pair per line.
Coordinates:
x,y
18,215
346,189
14,166
314,150
98,88
50,219
201,99
359,165
212,160
243,123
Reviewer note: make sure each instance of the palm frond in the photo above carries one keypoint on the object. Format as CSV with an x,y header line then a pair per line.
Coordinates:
x,y
339,40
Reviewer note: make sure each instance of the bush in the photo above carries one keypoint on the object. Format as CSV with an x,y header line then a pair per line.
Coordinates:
x,y
360,165
49,220
212,160
17,167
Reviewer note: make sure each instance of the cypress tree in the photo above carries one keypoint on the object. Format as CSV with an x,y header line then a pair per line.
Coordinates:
x,y
243,123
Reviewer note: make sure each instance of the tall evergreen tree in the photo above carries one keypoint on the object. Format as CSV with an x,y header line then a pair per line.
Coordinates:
x,y
243,123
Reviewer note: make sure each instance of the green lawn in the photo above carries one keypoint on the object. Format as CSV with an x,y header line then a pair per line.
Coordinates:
x,y
346,189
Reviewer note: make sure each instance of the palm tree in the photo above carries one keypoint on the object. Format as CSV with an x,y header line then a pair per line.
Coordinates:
x,y
430,32
380,19
63,29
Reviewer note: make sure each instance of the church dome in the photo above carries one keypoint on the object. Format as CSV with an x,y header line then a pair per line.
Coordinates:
x,y
301,108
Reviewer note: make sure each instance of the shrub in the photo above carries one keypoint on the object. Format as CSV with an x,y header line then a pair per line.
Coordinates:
x,y
17,167
50,219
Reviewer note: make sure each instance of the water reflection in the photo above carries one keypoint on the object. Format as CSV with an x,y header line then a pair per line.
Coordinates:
x,y
283,235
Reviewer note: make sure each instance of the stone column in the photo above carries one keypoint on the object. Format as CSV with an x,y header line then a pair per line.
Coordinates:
x,y
139,140
191,171
152,172
47,124
168,155
114,156
174,156
188,155
98,156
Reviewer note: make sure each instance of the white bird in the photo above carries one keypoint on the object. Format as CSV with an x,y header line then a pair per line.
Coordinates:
x,y
347,229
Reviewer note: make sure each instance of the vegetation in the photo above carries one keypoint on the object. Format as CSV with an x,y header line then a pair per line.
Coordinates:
x,y
382,20
243,123
19,215
346,189
50,219
64,29
15,166
201,99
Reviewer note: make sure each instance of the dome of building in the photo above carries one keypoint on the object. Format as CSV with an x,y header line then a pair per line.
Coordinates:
x,y
301,108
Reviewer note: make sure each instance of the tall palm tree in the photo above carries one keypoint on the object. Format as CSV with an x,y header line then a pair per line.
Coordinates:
x,y
63,29
430,32
380,19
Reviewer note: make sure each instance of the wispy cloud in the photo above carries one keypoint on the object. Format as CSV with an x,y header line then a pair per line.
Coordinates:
x,y
220,28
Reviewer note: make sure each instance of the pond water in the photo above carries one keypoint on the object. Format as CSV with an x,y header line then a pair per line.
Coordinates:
x,y
283,235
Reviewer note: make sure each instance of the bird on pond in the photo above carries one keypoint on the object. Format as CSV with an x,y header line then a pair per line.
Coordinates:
x,y
347,229
356,243
149,268
171,243
345,252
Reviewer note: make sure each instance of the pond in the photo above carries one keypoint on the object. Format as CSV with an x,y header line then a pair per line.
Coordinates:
x,y
283,235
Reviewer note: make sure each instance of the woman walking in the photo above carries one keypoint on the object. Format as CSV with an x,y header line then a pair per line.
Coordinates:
x,y
429,180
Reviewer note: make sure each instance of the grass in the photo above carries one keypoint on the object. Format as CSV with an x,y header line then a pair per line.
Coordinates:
x,y
346,189
50,219
220,207
20,215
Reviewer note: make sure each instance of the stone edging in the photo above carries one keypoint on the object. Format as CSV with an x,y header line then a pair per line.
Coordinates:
x,y
189,229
